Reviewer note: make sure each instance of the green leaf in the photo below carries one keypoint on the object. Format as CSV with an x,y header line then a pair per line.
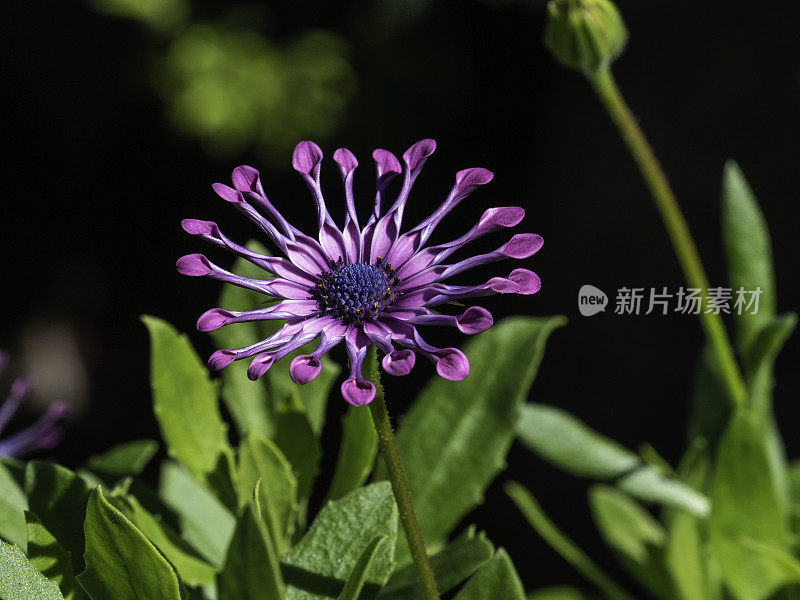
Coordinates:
x,y
561,439
121,564
686,560
559,542
186,407
455,438
129,458
495,579
635,536
760,358
191,568
20,580
13,505
204,521
251,570
356,453
557,592
709,407
746,504
58,497
299,444
352,588
261,459
50,558
451,565
748,250
319,565
685,555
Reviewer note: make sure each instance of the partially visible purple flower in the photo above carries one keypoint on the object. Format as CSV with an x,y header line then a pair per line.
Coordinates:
x,y
370,285
44,434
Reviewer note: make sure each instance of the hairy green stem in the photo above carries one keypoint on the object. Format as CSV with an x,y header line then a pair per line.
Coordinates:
x,y
713,327
394,467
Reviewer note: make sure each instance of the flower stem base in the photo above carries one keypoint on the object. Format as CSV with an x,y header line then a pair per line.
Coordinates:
x,y
394,468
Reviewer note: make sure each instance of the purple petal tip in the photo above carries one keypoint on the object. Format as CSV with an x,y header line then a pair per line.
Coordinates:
x,y
452,364
523,245
306,157
346,160
399,363
213,319
304,368
194,265
245,179
227,193
527,281
475,319
501,216
198,227
469,179
386,164
221,359
358,392
418,153
260,365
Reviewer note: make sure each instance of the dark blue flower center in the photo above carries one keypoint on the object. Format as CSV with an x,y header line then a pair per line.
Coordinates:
x,y
354,292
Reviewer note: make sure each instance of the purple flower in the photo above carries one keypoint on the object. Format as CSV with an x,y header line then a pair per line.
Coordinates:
x,y
44,434
361,285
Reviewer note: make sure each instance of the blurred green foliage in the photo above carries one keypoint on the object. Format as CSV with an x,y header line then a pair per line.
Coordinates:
x,y
233,89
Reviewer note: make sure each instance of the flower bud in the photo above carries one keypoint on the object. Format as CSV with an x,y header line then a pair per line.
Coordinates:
x,y
585,35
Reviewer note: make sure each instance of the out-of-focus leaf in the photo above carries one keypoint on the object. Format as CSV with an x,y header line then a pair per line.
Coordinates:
x,y
191,568
760,358
13,504
356,453
685,556
709,407
261,459
121,564
635,536
745,504
352,588
160,15
58,497
557,592
204,521
129,458
20,580
319,565
50,558
495,579
455,438
251,570
560,438
451,565
559,542
186,407
300,445
566,442
686,560
749,252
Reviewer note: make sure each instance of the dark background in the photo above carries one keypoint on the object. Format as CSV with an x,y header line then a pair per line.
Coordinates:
x,y
95,184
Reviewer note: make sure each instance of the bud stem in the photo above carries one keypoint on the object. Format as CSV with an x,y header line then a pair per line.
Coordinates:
x,y
394,467
606,88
